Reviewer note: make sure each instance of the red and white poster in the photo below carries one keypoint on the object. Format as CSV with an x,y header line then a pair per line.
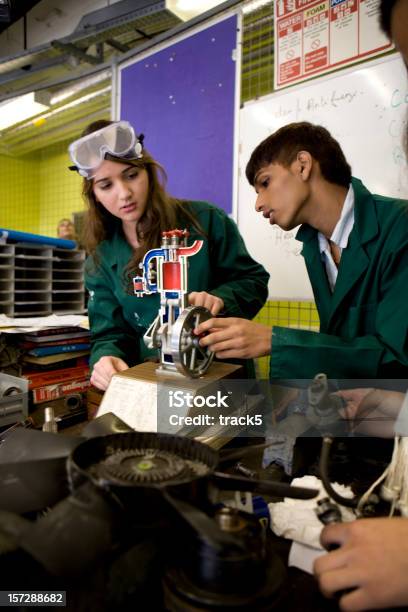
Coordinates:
x,y
312,38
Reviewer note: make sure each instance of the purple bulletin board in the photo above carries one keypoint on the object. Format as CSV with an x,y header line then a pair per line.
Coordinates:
x,y
182,99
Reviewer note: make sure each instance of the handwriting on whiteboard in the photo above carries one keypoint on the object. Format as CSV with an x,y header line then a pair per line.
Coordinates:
x,y
335,99
286,241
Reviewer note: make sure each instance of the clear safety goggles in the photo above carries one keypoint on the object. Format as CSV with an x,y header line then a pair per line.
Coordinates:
x,y
118,139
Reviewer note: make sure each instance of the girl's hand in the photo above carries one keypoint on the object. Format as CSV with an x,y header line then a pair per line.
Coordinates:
x,y
104,369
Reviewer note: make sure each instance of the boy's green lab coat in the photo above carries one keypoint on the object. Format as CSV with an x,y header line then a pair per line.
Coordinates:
x,y
364,322
223,267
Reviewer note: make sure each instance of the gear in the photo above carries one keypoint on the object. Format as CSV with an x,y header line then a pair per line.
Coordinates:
x,y
143,465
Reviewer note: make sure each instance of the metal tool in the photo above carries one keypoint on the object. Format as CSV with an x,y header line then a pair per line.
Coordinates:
x,y
327,511
13,399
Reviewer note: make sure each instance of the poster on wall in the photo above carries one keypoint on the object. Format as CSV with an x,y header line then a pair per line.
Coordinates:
x,y
312,38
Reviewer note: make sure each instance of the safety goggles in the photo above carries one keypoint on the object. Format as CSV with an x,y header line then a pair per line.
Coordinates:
x,y
117,139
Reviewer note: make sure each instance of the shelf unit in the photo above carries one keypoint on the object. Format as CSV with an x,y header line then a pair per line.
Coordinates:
x,y
39,280
7,279
68,289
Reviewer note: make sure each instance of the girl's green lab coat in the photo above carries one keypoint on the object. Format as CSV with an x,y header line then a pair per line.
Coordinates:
x,y
364,322
222,267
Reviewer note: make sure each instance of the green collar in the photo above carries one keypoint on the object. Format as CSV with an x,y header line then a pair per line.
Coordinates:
x,y
365,218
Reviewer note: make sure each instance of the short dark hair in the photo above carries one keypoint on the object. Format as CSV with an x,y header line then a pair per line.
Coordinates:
x,y
284,144
386,8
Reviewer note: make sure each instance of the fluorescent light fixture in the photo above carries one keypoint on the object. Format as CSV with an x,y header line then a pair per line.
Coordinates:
x,y
187,9
79,86
21,108
56,111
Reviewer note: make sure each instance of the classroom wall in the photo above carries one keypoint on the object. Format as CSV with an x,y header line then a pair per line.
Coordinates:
x,y
38,190
19,193
59,188
301,315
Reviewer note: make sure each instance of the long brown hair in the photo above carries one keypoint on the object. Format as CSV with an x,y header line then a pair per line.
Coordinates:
x,y
163,212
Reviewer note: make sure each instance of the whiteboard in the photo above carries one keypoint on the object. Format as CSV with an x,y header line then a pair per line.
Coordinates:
x,y
365,109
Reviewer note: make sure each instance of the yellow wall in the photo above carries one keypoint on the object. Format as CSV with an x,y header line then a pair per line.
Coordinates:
x,y
60,189
286,314
38,190
19,193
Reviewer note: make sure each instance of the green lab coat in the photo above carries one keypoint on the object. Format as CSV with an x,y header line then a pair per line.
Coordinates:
x,y
364,322
222,267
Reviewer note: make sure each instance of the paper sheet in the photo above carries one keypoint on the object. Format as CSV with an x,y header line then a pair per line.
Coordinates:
x,y
303,556
133,401
21,325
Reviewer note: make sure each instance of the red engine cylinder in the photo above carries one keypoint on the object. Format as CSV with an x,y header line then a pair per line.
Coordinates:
x,y
171,275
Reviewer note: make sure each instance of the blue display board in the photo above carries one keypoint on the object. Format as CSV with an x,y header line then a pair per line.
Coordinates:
x,y
182,99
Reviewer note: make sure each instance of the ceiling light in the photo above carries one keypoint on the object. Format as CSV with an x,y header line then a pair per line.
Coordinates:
x,y
79,86
41,119
187,9
21,108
